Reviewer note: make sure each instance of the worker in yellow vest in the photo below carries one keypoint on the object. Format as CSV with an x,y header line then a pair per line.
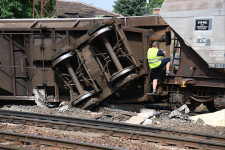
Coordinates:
x,y
156,63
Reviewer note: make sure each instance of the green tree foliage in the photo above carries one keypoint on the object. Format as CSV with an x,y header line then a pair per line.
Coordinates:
x,y
154,4
21,9
16,8
130,7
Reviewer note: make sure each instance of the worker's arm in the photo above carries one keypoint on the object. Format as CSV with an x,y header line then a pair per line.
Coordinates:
x,y
164,53
161,53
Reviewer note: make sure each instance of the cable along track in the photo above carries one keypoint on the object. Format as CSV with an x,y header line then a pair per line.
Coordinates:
x,y
128,131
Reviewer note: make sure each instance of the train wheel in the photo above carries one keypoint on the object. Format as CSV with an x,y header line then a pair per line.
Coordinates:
x,y
81,98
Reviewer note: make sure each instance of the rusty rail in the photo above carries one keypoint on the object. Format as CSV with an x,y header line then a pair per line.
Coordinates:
x,y
27,139
143,133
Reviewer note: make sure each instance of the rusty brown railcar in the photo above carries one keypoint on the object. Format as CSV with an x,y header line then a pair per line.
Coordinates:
x,y
83,61
87,61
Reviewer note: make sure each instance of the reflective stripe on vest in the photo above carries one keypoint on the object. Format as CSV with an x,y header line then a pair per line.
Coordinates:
x,y
153,60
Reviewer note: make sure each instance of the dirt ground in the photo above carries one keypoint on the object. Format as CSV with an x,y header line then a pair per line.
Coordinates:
x,y
160,119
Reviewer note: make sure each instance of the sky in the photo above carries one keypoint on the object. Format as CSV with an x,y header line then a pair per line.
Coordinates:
x,y
104,4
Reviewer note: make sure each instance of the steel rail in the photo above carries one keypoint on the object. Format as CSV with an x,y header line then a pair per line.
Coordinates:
x,y
137,132
27,139
9,147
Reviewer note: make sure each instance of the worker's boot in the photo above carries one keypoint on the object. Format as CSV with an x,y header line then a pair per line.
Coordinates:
x,y
154,92
168,73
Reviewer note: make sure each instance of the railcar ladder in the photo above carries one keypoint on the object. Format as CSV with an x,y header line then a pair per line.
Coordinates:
x,y
176,48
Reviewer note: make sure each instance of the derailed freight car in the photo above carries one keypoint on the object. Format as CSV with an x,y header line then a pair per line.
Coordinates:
x,y
82,61
200,51
87,61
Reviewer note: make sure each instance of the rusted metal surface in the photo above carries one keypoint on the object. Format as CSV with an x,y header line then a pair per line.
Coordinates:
x,y
58,24
118,71
160,38
27,139
95,69
77,23
87,61
195,80
19,98
144,21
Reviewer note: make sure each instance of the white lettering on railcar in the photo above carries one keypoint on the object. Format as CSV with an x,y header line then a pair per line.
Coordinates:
x,y
216,54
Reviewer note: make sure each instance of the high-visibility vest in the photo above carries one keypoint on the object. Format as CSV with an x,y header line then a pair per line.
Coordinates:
x,y
153,60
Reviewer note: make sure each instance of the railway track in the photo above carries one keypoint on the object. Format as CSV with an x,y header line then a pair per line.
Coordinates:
x,y
129,131
26,139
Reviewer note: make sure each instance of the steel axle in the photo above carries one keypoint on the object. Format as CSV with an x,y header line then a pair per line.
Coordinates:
x,y
82,93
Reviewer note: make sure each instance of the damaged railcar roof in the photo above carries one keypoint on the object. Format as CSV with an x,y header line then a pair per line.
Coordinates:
x,y
77,23
48,23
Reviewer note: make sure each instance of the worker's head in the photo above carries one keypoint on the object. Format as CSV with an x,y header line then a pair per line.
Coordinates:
x,y
155,44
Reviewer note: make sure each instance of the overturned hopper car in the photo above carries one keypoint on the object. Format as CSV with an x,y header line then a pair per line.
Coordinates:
x,y
199,55
82,61
88,61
